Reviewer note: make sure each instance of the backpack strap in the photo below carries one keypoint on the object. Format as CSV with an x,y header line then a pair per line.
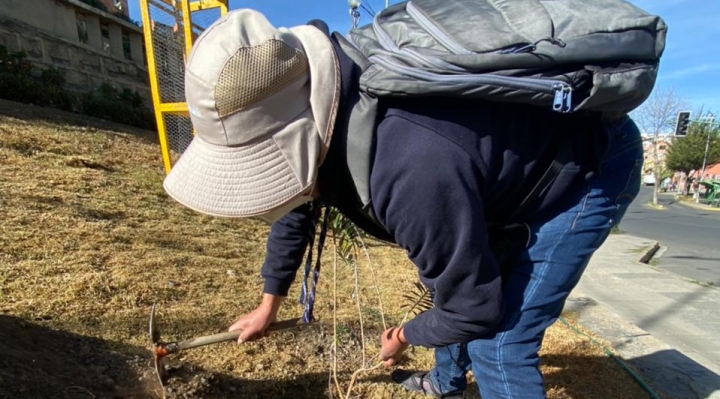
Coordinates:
x,y
307,295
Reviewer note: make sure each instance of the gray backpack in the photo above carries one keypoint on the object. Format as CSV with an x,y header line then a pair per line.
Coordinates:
x,y
600,56
567,55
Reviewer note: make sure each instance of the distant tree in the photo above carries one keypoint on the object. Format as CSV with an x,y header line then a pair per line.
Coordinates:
x,y
688,153
656,116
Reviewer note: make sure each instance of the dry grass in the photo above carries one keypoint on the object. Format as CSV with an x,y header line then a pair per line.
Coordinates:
x,y
89,241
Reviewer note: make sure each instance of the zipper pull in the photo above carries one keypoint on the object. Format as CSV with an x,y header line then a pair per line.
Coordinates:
x,y
558,101
562,101
568,99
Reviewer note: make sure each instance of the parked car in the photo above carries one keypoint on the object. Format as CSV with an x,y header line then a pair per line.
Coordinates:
x,y
649,180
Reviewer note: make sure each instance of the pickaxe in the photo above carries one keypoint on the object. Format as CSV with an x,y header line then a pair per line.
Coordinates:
x,y
162,349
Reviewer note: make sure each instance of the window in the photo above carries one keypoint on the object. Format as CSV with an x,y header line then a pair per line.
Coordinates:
x,y
126,45
105,36
662,147
81,28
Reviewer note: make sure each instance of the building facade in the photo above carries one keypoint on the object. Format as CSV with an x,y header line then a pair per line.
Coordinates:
x,y
88,46
663,144
117,6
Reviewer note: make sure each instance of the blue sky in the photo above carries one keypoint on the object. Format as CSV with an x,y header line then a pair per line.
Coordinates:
x,y
690,64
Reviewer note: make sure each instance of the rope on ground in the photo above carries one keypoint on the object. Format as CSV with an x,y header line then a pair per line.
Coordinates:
x,y
617,360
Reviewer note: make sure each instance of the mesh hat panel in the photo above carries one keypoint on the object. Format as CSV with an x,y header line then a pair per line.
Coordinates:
x,y
255,73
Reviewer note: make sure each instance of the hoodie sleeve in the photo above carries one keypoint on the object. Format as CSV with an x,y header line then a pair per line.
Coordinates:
x,y
286,247
427,193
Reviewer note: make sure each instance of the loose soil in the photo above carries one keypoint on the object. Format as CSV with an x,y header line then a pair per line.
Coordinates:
x,y
89,241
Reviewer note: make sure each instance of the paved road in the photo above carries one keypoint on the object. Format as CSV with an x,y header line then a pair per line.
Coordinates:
x,y
692,236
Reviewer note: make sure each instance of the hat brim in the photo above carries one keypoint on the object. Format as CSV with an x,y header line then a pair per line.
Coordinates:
x,y
252,180
232,181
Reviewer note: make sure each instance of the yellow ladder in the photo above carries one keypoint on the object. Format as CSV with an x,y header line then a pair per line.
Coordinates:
x,y
170,28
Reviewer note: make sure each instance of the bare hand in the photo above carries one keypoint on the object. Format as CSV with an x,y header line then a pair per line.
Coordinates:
x,y
254,324
393,346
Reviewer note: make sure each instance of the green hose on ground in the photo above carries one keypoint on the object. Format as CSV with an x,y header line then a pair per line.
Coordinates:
x,y
617,360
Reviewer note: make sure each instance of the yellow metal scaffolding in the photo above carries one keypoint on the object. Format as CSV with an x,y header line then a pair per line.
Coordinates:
x,y
170,27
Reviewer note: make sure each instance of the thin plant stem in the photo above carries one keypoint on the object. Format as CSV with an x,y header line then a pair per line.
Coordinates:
x,y
359,308
374,277
78,388
335,330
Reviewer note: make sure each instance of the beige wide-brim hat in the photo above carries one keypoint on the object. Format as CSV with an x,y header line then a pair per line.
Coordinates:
x,y
263,103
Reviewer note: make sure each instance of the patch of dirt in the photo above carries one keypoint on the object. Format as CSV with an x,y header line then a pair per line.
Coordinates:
x,y
39,362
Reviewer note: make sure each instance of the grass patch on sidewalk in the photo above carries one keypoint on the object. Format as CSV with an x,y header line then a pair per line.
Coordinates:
x,y
89,241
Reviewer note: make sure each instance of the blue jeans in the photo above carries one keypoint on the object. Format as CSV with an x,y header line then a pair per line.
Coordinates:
x,y
505,363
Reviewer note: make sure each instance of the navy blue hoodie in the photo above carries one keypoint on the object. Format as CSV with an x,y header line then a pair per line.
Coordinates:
x,y
443,170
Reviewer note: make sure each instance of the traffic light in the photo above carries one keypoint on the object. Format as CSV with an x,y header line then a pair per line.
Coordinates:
x,y
683,121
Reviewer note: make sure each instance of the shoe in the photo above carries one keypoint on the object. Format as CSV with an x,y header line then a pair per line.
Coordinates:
x,y
420,382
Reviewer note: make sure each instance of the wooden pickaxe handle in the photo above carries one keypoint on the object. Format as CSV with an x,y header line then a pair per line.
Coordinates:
x,y
233,335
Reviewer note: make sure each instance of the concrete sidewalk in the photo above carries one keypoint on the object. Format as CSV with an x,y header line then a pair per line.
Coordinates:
x,y
663,325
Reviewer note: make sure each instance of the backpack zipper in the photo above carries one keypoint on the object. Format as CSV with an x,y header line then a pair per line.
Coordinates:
x,y
562,100
434,31
388,44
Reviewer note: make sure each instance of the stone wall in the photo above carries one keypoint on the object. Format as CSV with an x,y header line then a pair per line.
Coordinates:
x,y
48,14
85,66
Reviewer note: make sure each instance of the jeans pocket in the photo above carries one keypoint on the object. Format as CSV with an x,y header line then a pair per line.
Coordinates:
x,y
611,192
632,186
627,195
625,141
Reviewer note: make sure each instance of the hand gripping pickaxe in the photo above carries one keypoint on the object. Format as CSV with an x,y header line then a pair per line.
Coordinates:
x,y
162,349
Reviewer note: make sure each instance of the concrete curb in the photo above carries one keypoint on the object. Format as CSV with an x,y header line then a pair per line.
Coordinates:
x,y
698,206
645,259
656,207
